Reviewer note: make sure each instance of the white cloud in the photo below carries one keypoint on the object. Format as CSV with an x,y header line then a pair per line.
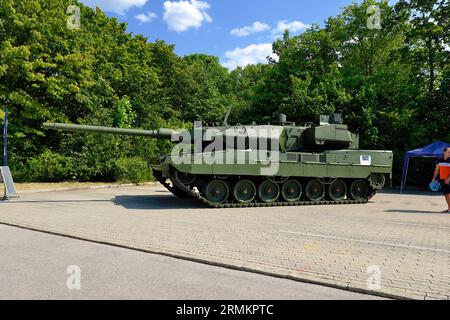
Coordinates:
x,y
117,6
182,15
241,57
291,26
254,28
146,17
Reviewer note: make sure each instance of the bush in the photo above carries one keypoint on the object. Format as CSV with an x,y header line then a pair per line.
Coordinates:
x,y
134,170
49,167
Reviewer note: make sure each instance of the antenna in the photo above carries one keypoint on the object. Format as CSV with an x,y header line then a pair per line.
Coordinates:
x,y
227,115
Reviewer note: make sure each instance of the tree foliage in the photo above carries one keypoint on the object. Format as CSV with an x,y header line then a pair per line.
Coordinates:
x,y
391,83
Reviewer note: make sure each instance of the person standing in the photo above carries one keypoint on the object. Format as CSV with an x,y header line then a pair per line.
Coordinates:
x,y
443,171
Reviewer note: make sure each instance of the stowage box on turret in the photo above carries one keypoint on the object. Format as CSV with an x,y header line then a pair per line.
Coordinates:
x,y
265,165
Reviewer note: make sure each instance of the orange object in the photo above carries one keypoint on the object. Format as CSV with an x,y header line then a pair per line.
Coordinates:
x,y
444,170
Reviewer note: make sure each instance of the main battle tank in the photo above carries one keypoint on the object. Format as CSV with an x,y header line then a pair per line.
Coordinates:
x,y
276,164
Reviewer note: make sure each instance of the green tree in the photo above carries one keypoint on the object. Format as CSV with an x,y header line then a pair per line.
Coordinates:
x,y
99,74
305,81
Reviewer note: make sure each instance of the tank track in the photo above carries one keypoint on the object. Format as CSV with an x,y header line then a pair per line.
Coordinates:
x,y
210,204
172,189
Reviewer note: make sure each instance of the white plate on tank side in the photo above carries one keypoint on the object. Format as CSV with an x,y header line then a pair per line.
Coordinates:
x,y
365,160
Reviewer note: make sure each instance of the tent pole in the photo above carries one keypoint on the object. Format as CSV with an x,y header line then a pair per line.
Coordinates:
x,y
402,187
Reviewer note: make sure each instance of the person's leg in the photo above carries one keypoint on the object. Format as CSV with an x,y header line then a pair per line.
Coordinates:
x,y
446,192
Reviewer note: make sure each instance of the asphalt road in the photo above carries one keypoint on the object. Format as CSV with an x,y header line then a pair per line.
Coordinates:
x,y
395,245
34,265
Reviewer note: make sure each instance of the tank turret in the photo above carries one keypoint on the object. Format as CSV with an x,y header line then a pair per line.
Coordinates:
x,y
331,134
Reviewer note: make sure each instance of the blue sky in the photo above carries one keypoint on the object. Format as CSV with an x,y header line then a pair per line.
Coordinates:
x,y
239,32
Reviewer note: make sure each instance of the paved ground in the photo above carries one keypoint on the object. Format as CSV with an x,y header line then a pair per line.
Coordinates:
x,y
399,240
34,266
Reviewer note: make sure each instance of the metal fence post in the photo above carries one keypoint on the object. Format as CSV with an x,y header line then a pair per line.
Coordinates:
x,y
5,139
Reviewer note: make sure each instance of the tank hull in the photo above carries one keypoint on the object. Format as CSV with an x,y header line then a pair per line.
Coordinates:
x,y
340,176
329,164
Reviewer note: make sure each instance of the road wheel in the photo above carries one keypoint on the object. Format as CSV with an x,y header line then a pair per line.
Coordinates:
x,y
315,190
291,190
337,190
217,191
359,189
244,191
377,180
185,178
268,191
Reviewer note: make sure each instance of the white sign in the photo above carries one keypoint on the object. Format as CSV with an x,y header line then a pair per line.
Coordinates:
x,y
366,160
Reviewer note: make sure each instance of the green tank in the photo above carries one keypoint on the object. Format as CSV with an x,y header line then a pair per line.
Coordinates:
x,y
276,164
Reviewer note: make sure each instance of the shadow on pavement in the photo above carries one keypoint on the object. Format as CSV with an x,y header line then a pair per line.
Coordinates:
x,y
415,211
410,192
155,202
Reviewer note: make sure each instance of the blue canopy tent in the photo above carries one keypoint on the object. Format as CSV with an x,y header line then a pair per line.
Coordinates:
x,y
433,150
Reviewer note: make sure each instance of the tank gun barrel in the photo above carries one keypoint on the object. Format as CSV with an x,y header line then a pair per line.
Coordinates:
x,y
159,133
